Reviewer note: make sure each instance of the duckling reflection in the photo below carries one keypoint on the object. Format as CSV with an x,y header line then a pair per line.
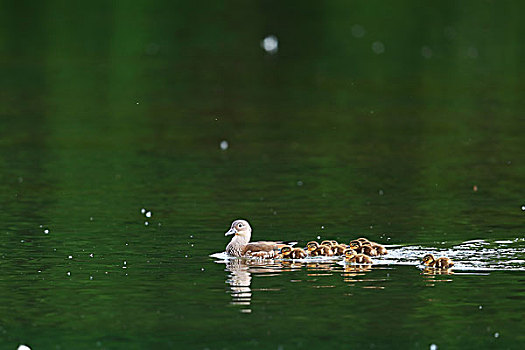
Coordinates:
x,y
433,272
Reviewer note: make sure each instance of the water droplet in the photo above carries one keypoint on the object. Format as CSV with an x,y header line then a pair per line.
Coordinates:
x,y
137,103
322,227
146,223
191,236
426,52
202,269
91,255
90,218
148,214
68,273
142,210
224,145
70,257
23,347
496,335
433,347
46,231
381,192
91,277
523,207
125,263
358,31
270,44
472,52
318,237
378,47
480,307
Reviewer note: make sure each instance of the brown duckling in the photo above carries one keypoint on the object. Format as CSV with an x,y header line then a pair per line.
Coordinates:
x,y
319,250
363,247
339,249
298,253
379,248
440,263
328,243
352,257
286,252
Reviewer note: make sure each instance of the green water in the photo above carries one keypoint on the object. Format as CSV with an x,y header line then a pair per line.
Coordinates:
x,y
107,108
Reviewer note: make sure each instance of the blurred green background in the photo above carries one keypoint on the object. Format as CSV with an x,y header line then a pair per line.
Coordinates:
x,y
402,121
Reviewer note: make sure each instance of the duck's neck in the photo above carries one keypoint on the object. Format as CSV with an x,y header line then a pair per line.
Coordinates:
x,y
240,239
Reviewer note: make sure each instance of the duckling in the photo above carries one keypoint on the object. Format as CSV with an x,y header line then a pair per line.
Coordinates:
x,y
311,246
327,243
319,250
298,253
352,257
362,239
367,249
339,249
363,247
440,263
379,249
286,251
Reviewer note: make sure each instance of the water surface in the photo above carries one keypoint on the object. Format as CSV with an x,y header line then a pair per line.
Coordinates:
x,y
400,123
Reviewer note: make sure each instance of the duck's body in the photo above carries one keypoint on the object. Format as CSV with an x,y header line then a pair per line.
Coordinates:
x,y
439,263
240,244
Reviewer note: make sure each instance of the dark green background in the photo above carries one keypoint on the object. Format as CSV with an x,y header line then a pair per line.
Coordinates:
x,y
107,107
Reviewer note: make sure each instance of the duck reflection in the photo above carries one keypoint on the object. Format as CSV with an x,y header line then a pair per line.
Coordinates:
x,y
240,273
240,280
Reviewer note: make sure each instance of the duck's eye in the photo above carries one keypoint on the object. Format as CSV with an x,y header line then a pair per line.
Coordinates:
x,y
240,225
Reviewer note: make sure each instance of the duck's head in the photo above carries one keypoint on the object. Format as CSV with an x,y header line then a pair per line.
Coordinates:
x,y
362,239
240,228
312,245
428,259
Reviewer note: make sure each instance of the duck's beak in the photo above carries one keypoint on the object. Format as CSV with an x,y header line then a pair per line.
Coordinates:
x,y
232,231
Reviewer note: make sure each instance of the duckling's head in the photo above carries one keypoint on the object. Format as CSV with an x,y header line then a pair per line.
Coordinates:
x,y
349,254
355,244
312,245
240,228
334,242
327,243
286,250
362,239
428,259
